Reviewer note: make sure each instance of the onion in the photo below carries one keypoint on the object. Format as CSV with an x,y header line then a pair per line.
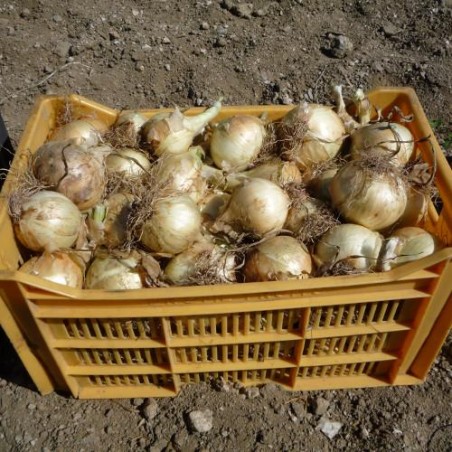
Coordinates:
x,y
108,223
236,142
348,247
393,141
369,195
81,131
308,218
46,221
406,245
258,206
203,263
128,162
182,173
416,207
72,170
319,185
278,259
310,134
277,171
213,204
58,267
174,225
174,132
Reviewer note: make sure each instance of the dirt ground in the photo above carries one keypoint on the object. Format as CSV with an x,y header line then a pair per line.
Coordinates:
x,y
141,54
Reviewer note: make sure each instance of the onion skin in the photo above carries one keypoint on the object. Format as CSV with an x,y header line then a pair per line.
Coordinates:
x,y
174,225
390,140
86,132
366,197
71,170
311,133
407,244
48,221
258,206
279,258
351,244
128,162
236,142
111,273
57,267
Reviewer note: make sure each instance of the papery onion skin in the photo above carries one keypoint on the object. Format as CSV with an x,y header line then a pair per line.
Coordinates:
x,y
174,132
319,185
111,230
390,140
128,162
366,197
310,134
182,173
236,142
416,207
174,225
132,118
72,170
57,267
86,132
258,206
203,263
213,203
112,273
406,245
351,244
279,258
48,221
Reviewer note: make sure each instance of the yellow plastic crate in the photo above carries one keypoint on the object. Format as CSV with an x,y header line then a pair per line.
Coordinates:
x,y
336,332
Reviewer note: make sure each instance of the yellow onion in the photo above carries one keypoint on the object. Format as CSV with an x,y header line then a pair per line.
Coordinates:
x,y
236,142
258,206
108,222
406,245
174,225
277,171
416,207
350,245
86,131
310,134
182,173
47,221
72,170
278,259
203,263
368,196
319,185
391,140
58,267
174,132
127,162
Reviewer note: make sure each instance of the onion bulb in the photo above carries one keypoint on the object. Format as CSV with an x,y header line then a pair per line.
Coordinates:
x,y
203,263
46,221
277,171
174,225
213,204
406,245
174,132
58,267
391,140
182,173
127,162
368,195
72,170
319,185
108,223
122,272
348,247
258,206
310,134
236,142
86,131
278,259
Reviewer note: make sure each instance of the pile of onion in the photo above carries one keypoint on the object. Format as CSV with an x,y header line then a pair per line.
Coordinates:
x,y
180,199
